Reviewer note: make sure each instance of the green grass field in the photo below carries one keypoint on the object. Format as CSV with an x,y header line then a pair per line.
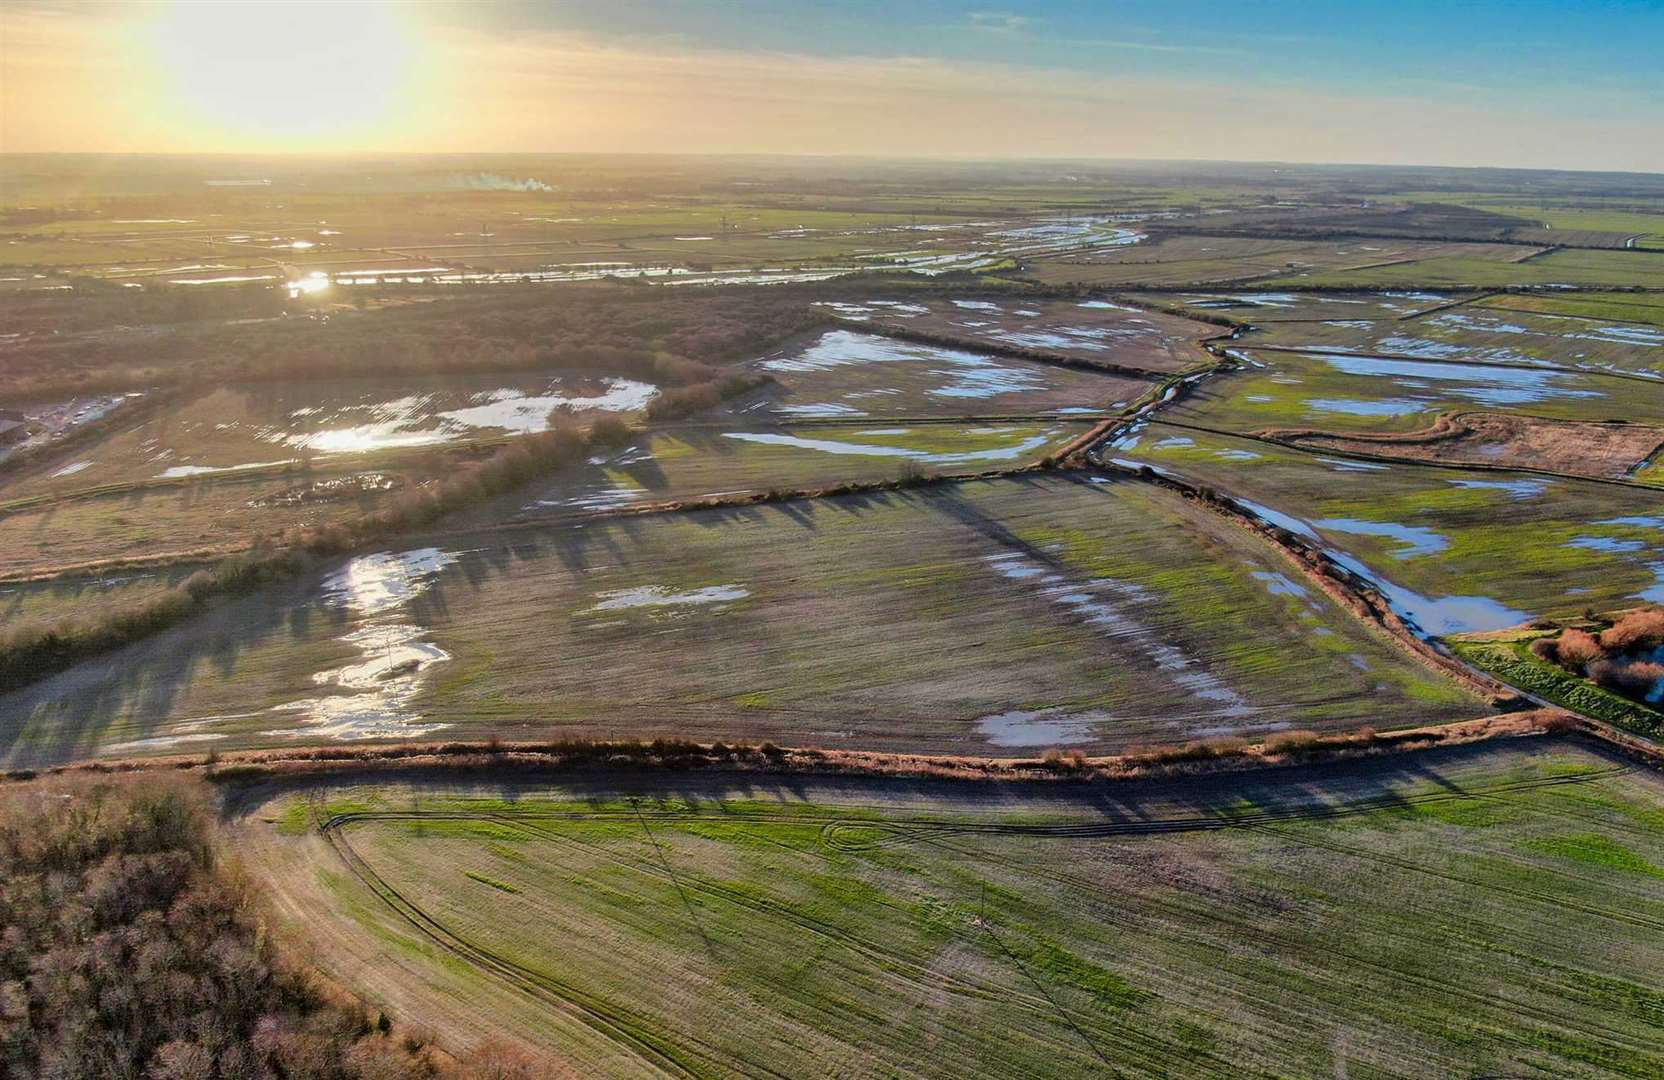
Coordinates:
x,y
1484,911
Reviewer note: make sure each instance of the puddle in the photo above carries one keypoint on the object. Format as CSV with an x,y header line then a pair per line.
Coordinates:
x,y
374,697
1280,584
1438,616
1610,544
1045,727
176,471
371,584
1342,465
1488,385
657,596
1360,407
1417,541
1102,603
414,420
963,374
1516,489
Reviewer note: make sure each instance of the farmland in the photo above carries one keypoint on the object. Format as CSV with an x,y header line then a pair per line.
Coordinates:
x,y
1494,910
1131,599
741,617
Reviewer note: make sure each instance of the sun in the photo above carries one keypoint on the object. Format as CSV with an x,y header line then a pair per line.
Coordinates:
x,y
287,74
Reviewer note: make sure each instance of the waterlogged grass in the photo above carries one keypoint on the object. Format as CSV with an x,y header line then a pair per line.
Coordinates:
x,y
992,617
1497,913
1472,333
1456,550
1341,393
719,460
1645,308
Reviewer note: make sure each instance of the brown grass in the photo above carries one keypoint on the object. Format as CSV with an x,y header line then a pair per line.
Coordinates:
x,y
1199,756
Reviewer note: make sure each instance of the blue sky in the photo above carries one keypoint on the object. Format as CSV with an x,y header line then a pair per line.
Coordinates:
x,y
1569,52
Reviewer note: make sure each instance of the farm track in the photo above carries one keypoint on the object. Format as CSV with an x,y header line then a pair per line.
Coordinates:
x,y
847,836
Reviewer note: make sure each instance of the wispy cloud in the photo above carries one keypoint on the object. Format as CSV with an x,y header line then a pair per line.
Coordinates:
x,y
999,22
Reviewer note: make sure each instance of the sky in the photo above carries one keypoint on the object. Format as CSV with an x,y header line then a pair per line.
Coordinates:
x,y
1515,83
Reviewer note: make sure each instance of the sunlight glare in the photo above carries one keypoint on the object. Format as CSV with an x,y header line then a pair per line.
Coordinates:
x,y
278,71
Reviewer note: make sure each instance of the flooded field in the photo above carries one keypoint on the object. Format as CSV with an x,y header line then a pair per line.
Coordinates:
x,y
1483,334
267,426
1272,306
1107,609
1344,392
1097,331
1453,550
708,461
851,375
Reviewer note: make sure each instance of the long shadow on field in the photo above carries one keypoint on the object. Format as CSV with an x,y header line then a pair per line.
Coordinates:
x,y
67,715
1384,783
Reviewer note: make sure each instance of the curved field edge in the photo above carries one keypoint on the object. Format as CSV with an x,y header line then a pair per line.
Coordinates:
x,y
1042,928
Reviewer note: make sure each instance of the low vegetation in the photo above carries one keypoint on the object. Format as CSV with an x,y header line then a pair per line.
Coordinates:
x,y
1611,674
686,922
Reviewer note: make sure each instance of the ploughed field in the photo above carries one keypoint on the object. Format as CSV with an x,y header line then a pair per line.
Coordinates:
x,y
1490,910
1000,616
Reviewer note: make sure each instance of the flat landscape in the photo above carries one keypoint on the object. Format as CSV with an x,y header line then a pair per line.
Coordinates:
x,y
1490,909
740,617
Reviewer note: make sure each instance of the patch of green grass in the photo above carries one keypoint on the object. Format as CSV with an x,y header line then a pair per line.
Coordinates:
x,y
495,883
1592,849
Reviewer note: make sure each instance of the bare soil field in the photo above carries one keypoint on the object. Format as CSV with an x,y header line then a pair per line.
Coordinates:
x,y
1488,910
1611,451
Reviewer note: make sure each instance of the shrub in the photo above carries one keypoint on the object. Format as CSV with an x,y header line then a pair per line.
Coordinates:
x,y
1642,629
1633,680
131,951
1577,648
1291,742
